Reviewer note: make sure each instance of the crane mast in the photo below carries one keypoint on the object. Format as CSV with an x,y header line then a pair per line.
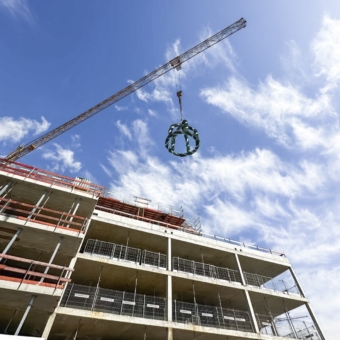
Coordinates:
x,y
23,150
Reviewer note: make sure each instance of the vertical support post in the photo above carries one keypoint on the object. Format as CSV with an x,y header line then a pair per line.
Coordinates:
x,y
9,323
5,187
37,205
240,270
48,326
291,325
169,284
297,282
315,321
25,315
74,211
250,306
52,258
10,243
169,334
251,310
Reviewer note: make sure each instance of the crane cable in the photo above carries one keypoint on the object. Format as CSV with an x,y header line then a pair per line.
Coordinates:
x,y
184,129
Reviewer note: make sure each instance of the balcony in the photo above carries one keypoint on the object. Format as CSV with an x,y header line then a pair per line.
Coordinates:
x,y
36,174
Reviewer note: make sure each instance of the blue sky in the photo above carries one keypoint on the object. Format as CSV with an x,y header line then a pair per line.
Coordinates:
x,y
265,103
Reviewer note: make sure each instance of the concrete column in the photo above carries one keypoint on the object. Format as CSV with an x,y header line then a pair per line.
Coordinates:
x,y
240,269
312,315
48,326
169,285
169,334
25,315
250,306
297,281
169,255
52,258
10,243
251,310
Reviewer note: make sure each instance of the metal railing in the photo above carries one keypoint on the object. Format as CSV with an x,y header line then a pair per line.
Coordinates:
x,y
203,269
114,301
186,227
153,259
112,251
211,316
289,287
48,217
144,203
30,275
287,327
37,174
243,244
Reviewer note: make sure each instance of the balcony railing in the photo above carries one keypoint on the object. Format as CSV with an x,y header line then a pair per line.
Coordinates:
x,y
211,316
48,217
31,275
287,327
123,253
112,251
288,287
33,173
114,302
203,269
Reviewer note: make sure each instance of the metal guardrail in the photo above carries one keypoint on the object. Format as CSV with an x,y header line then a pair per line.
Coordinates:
x,y
112,251
271,283
144,203
48,217
30,275
153,259
37,174
288,327
211,316
203,269
243,244
114,302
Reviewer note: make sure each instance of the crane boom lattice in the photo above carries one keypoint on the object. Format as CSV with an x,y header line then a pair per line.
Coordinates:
x,y
174,63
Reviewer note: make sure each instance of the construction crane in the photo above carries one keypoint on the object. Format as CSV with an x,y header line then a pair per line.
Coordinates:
x,y
175,63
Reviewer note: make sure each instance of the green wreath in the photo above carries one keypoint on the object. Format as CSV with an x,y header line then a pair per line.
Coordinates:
x,y
182,129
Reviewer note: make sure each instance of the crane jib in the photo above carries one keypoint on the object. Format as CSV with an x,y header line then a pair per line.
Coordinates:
x,y
22,150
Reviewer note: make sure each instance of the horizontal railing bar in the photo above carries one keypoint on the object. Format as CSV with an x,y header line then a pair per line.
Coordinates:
x,y
39,263
33,273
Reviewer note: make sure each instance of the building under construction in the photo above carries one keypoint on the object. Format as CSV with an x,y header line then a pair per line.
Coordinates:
x,y
78,262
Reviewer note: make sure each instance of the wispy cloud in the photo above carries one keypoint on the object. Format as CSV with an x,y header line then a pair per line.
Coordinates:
x,y
62,159
124,129
14,130
18,9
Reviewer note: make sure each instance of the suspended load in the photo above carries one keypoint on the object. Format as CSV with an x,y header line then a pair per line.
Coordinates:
x,y
184,129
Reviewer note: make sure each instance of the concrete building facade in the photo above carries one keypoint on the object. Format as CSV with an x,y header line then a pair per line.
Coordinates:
x,y
77,263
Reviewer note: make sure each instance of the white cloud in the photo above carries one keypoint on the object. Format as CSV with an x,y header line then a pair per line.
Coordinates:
x,y
152,113
124,129
326,48
18,8
120,108
62,159
14,130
